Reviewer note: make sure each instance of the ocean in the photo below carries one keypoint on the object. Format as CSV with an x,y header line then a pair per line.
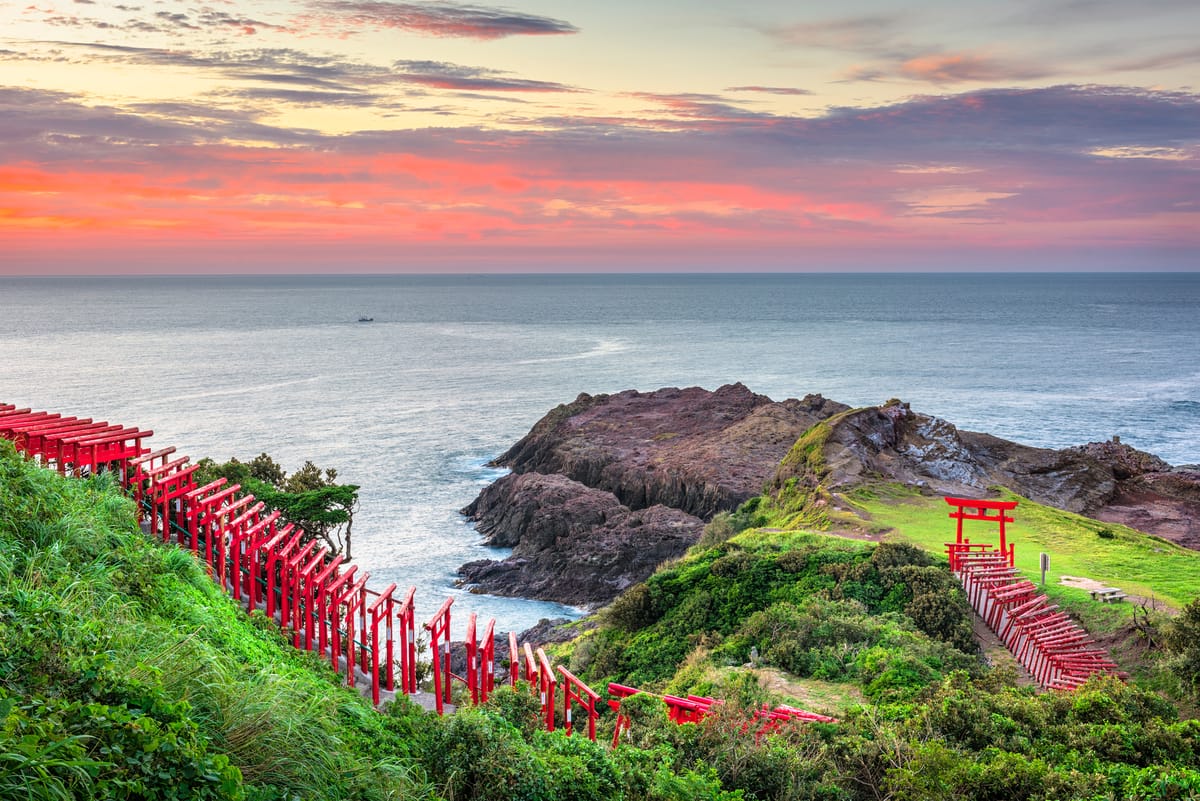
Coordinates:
x,y
454,369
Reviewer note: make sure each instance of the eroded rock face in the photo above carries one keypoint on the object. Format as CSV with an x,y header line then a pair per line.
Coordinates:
x,y
1151,495
894,443
1105,480
1126,462
689,449
571,543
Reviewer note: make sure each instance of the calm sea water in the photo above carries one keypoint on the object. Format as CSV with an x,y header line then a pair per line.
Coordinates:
x,y
454,369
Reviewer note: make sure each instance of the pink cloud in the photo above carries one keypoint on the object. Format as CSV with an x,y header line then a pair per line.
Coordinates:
x,y
963,67
979,170
439,18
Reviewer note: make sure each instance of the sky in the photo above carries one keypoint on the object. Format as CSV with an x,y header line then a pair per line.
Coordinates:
x,y
606,135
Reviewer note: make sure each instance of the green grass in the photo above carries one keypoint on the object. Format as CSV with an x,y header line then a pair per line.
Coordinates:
x,y
124,655
1137,563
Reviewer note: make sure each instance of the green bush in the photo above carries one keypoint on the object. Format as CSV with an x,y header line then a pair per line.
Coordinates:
x,y
1181,637
633,609
477,754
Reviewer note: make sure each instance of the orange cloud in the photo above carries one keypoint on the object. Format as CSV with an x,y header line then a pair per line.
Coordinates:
x,y
967,67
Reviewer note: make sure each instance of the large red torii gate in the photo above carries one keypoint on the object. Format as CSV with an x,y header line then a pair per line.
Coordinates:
x,y
987,511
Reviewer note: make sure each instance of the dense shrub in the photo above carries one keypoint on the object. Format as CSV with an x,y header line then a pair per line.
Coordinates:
x,y
477,754
1182,640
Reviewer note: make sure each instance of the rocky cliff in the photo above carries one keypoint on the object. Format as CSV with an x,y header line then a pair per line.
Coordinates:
x,y
894,443
689,449
606,488
1151,495
571,543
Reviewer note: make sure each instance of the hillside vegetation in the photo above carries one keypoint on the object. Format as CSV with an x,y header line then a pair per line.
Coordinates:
x,y
124,673
887,623
771,599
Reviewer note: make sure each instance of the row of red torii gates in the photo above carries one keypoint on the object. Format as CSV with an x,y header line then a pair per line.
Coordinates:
x,y
317,597
1057,651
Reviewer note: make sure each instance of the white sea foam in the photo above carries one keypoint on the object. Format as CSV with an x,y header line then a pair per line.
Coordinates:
x,y
603,348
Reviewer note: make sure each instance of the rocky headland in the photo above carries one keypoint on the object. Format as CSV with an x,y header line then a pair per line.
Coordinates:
x,y
606,488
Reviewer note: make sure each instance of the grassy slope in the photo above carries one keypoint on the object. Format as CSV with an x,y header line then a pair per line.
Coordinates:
x,y
98,614
827,616
1136,562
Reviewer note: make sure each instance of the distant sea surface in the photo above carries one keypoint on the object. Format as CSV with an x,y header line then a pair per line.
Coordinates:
x,y
454,369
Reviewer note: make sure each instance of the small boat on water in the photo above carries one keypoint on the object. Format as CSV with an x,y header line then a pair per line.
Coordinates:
x,y
366,319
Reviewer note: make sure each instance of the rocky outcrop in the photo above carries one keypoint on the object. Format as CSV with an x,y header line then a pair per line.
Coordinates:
x,y
689,449
606,488
571,543
894,443
1151,495
1125,462
1105,480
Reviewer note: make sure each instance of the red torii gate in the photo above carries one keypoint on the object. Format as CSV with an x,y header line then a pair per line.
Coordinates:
x,y
117,447
407,622
41,435
575,690
137,473
275,568
542,680
261,537
439,627
695,708
27,435
988,511
164,488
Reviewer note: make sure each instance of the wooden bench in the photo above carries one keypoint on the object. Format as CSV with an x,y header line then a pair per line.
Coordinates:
x,y
1108,594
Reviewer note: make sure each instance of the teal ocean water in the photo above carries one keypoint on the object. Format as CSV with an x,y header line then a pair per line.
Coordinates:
x,y
454,369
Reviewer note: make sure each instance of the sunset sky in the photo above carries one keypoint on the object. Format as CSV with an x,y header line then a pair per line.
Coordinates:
x,y
529,136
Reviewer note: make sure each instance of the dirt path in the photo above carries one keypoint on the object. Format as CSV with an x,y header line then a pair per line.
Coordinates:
x,y
997,654
814,695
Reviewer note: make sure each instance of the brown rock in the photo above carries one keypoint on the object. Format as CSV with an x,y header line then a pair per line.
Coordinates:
x,y
1126,462
571,543
689,449
894,443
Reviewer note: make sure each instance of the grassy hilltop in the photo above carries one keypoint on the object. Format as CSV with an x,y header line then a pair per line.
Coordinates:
x,y
125,673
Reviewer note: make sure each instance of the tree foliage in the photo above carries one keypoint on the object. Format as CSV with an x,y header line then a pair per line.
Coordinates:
x,y
1182,639
311,498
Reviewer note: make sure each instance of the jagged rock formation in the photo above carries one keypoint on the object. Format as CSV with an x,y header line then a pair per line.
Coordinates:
x,y
1151,495
571,543
689,449
894,443
1105,480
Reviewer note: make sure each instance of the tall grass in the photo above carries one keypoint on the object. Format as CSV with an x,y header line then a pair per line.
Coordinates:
x,y
92,611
